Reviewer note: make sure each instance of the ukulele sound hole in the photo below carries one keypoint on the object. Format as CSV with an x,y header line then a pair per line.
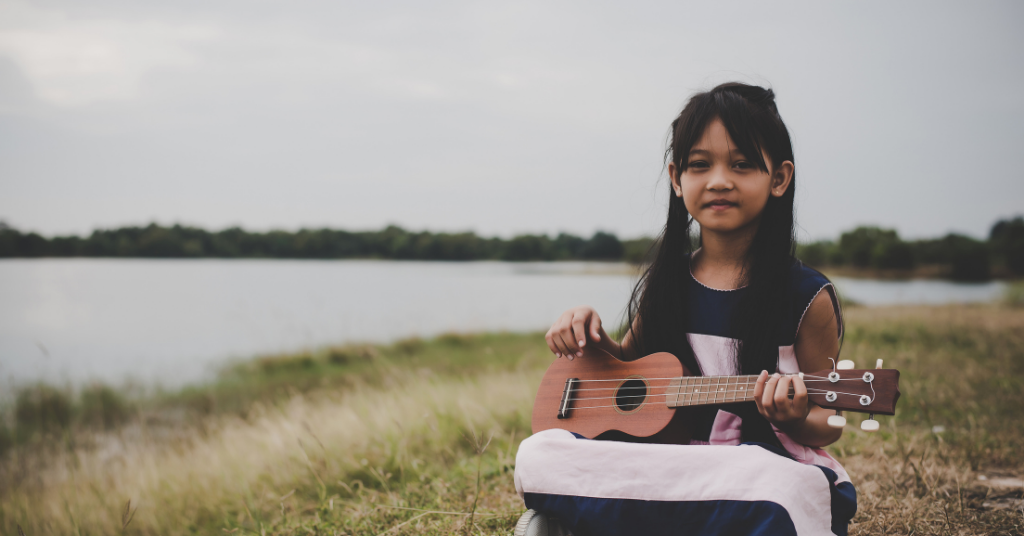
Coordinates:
x,y
631,395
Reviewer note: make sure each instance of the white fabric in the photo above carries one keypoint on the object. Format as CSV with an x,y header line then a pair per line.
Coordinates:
x,y
555,462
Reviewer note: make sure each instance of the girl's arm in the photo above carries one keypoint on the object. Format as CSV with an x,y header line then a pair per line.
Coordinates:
x,y
816,342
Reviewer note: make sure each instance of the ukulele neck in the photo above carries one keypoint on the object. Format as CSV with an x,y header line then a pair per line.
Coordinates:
x,y
706,390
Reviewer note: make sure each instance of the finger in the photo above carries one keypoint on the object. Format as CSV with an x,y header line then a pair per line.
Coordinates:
x,y
551,344
768,398
595,327
799,396
579,329
556,340
570,339
564,344
782,403
759,390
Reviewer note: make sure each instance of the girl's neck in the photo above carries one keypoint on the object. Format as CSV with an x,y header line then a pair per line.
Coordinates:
x,y
721,260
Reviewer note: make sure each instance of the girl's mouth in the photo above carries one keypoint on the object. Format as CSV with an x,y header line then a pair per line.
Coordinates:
x,y
719,204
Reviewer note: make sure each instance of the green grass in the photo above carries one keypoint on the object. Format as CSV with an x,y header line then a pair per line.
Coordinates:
x,y
419,437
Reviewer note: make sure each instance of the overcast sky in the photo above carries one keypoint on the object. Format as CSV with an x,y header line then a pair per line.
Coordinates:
x,y
501,117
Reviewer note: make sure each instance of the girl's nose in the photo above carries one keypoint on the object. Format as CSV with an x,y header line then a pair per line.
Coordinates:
x,y
719,180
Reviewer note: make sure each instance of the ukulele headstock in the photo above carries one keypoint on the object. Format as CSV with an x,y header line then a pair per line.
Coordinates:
x,y
849,389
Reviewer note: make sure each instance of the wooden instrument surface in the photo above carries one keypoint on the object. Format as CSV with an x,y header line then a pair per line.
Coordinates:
x,y
647,399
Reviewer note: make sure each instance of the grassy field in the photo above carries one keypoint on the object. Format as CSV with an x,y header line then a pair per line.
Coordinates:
x,y
420,437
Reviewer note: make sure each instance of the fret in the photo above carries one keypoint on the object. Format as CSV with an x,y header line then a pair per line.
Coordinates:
x,y
748,393
706,390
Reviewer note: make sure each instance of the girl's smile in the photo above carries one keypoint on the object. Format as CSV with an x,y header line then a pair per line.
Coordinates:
x,y
720,205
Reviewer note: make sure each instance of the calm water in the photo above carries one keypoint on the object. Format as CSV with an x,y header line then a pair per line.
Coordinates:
x,y
175,321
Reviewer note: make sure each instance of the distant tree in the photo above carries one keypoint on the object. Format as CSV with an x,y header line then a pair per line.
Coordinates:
x,y
603,246
1007,241
892,254
9,242
527,248
875,247
568,246
639,250
820,253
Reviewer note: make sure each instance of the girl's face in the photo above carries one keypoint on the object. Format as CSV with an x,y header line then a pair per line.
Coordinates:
x,y
722,189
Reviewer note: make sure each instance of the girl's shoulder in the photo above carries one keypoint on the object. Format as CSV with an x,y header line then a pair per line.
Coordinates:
x,y
806,284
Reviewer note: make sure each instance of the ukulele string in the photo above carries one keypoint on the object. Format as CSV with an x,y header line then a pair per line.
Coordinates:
x,y
807,378
688,393
745,382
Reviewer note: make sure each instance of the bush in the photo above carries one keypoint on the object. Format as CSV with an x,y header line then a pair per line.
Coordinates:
x,y
6,439
104,407
41,408
286,363
343,355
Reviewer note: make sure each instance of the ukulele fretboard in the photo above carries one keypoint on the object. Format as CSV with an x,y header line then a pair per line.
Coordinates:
x,y
704,390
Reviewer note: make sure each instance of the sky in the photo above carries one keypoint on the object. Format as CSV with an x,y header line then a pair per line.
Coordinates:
x,y
496,117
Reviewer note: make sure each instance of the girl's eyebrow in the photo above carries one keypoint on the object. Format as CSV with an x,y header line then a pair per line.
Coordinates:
x,y
734,152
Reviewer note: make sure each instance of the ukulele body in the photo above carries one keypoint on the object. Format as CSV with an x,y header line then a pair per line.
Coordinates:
x,y
617,400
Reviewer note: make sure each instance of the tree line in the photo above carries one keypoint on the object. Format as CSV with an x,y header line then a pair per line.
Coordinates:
x,y
392,242
955,256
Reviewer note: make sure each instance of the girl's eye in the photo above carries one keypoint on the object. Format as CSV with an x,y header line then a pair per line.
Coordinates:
x,y
698,164
743,164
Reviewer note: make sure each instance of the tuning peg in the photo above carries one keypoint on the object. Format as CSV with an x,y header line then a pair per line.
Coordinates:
x,y
837,420
878,364
845,364
869,425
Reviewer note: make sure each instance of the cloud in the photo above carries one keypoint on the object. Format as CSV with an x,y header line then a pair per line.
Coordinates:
x,y
72,62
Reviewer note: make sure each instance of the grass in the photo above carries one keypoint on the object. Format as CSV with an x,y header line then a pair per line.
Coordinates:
x,y
419,437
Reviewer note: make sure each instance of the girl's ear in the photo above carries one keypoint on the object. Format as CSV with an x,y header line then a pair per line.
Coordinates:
x,y
781,178
673,174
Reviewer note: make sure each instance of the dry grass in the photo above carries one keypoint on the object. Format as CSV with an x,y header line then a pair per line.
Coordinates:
x,y
433,454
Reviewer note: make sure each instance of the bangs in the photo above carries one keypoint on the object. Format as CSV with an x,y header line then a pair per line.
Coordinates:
x,y
746,125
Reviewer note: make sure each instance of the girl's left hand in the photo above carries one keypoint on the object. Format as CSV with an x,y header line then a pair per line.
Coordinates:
x,y
771,394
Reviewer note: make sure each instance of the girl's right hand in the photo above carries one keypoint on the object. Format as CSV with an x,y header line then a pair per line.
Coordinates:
x,y
570,333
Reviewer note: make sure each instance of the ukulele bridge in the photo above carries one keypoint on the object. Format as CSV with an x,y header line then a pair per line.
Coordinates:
x,y
563,406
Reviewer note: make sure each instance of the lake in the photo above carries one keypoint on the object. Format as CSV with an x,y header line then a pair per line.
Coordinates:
x,y
170,322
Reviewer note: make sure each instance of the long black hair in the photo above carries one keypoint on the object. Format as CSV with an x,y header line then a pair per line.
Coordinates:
x,y
657,313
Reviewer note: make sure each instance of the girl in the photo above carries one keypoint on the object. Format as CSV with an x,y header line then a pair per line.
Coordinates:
x,y
738,304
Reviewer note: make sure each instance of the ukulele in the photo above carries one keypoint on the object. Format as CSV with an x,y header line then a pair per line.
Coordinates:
x,y
645,400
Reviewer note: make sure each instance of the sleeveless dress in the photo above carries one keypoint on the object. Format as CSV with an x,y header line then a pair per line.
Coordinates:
x,y
715,485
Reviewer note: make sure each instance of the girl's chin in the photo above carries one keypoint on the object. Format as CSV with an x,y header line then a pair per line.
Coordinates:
x,y
723,227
